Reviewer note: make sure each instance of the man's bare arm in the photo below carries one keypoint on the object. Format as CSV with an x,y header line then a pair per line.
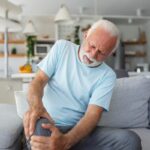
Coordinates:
x,y
36,108
85,125
36,88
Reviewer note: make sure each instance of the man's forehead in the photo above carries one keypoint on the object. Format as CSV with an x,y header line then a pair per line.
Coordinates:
x,y
102,40
100,35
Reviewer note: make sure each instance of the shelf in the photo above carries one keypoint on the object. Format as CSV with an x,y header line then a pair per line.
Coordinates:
x,y
136,54
134,42
13,42
13,55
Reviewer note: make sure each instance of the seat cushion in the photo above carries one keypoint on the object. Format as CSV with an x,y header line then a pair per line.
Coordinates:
x,y
129,104
10,126
144,134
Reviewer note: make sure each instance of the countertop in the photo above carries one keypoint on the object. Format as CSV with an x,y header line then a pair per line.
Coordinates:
x,y
23,75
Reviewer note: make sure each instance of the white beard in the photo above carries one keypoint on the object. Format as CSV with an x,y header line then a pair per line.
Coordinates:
x,y
83,57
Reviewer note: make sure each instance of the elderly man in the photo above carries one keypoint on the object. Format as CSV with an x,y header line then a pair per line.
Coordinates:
x,y
69,93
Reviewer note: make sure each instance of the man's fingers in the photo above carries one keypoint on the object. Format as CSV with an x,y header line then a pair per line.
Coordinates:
x,y
38,145
54,130
51,127
32,125
30,119
40,139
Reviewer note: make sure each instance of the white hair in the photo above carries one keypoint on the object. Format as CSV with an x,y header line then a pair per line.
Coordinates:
x,y
108,26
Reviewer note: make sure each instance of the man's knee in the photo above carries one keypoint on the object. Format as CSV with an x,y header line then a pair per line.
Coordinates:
x,y
128,139
39,130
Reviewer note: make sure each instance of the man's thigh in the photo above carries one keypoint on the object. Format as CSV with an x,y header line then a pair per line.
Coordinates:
x,y
109,139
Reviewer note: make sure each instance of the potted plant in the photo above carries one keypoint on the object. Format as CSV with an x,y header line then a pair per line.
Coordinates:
x,y
31,40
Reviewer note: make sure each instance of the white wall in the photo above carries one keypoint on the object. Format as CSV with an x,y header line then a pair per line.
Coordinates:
x,y
129,31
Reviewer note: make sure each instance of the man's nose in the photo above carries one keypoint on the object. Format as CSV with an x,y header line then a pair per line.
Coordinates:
x,y
93,53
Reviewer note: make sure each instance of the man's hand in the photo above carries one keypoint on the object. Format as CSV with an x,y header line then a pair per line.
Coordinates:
x,y
57,140
30,118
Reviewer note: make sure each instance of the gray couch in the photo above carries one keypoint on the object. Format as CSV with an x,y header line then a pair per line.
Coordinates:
x,y
129,109
11,128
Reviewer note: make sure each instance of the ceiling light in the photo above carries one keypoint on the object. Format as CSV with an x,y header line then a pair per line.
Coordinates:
x,y
29,28
63,14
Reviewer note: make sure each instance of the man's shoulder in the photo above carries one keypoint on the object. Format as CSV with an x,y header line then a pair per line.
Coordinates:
x,y
65,42
109,71
66,47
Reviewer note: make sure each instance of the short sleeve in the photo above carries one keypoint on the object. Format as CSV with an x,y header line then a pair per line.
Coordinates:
x,y
49,64
102,93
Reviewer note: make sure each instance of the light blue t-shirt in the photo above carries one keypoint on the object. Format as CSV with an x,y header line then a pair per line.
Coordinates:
x,y
72,85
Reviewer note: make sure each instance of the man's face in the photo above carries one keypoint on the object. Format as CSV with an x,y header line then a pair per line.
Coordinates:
x,y
96,47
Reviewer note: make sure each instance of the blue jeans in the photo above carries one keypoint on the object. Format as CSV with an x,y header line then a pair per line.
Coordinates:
x,y
101,138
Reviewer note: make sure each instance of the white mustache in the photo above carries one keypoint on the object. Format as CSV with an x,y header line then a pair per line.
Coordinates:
x,y
94,61
91,59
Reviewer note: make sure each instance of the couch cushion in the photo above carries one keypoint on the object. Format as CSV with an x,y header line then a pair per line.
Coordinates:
x,y
129,105
10,126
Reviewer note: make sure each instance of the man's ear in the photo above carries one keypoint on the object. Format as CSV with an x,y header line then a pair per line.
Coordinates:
x,y
85,34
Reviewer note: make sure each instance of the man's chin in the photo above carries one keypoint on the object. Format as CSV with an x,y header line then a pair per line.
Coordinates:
x,y
87,63
92,65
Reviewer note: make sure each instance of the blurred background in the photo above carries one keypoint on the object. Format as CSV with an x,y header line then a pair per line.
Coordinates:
x,y
29,28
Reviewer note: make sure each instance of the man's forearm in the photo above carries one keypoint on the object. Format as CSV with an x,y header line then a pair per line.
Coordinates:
x,y
82,128
35,94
